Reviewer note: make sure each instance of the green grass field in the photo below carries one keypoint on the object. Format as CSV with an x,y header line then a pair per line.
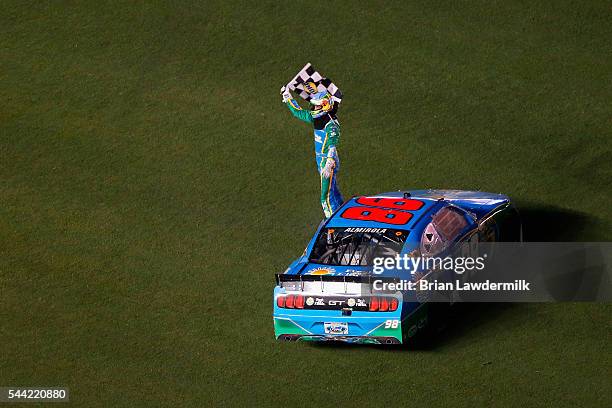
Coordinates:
x,y
152,184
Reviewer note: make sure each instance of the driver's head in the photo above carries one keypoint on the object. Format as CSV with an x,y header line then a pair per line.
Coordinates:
x,y
322,102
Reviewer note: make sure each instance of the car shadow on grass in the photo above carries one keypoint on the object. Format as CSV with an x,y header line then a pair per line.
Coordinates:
x,y
547,223
465,320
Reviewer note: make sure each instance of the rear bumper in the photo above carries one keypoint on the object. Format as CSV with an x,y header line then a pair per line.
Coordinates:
x,y
386,328
343,339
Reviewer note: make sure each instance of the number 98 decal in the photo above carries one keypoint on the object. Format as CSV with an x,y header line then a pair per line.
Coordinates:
x,y
391,324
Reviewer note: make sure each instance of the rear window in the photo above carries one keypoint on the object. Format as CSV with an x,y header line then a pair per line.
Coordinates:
x,y
356,246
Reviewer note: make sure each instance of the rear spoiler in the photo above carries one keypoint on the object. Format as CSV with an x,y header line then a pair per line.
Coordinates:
x,y
282,277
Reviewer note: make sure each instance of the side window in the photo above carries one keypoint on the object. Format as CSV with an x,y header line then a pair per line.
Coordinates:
x,y
431,242
444,228
449,221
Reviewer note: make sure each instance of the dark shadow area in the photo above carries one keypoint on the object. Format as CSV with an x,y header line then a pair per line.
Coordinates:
x,y
553,224
569,276
450,323
580,274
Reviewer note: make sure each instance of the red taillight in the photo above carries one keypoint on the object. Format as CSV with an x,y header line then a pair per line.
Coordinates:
x,y
289,301
377,303
384,304
373,304
299,301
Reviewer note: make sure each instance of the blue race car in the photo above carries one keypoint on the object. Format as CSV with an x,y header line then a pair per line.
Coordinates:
x,y
329,292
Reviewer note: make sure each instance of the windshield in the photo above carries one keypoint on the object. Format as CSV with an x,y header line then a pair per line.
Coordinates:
x,y
356,246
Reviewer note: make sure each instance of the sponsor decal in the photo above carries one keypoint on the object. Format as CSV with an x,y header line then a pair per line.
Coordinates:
x,y
355,272
310,87
294,103
321,271
336,302
336,327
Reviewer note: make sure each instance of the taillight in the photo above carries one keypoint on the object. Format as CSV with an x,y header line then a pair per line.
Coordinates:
x,y
299,302
373,304
377,303
384,305
393,304
289,301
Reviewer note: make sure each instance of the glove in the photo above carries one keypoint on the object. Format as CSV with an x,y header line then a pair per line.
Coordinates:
x,y
286,94
329,166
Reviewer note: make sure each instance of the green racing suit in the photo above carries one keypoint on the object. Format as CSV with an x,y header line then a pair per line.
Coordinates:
x,y
326,139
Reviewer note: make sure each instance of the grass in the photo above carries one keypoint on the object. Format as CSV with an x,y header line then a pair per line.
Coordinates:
x,y
153,183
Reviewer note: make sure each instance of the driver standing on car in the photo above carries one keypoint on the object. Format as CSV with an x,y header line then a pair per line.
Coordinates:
x,y
326,136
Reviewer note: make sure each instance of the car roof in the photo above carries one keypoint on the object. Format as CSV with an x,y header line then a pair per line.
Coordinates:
x,y
401,202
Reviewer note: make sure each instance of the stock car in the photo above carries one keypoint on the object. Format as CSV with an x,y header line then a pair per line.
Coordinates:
x,y
329,293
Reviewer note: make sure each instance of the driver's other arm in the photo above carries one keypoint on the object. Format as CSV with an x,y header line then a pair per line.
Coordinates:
x,y
332,136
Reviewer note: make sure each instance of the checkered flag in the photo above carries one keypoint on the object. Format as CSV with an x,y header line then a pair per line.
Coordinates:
x,y
309,81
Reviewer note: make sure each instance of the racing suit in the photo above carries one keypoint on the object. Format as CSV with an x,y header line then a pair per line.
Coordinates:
x,y
326,138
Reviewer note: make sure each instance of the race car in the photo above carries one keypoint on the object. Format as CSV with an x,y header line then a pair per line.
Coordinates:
x,y
332,293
